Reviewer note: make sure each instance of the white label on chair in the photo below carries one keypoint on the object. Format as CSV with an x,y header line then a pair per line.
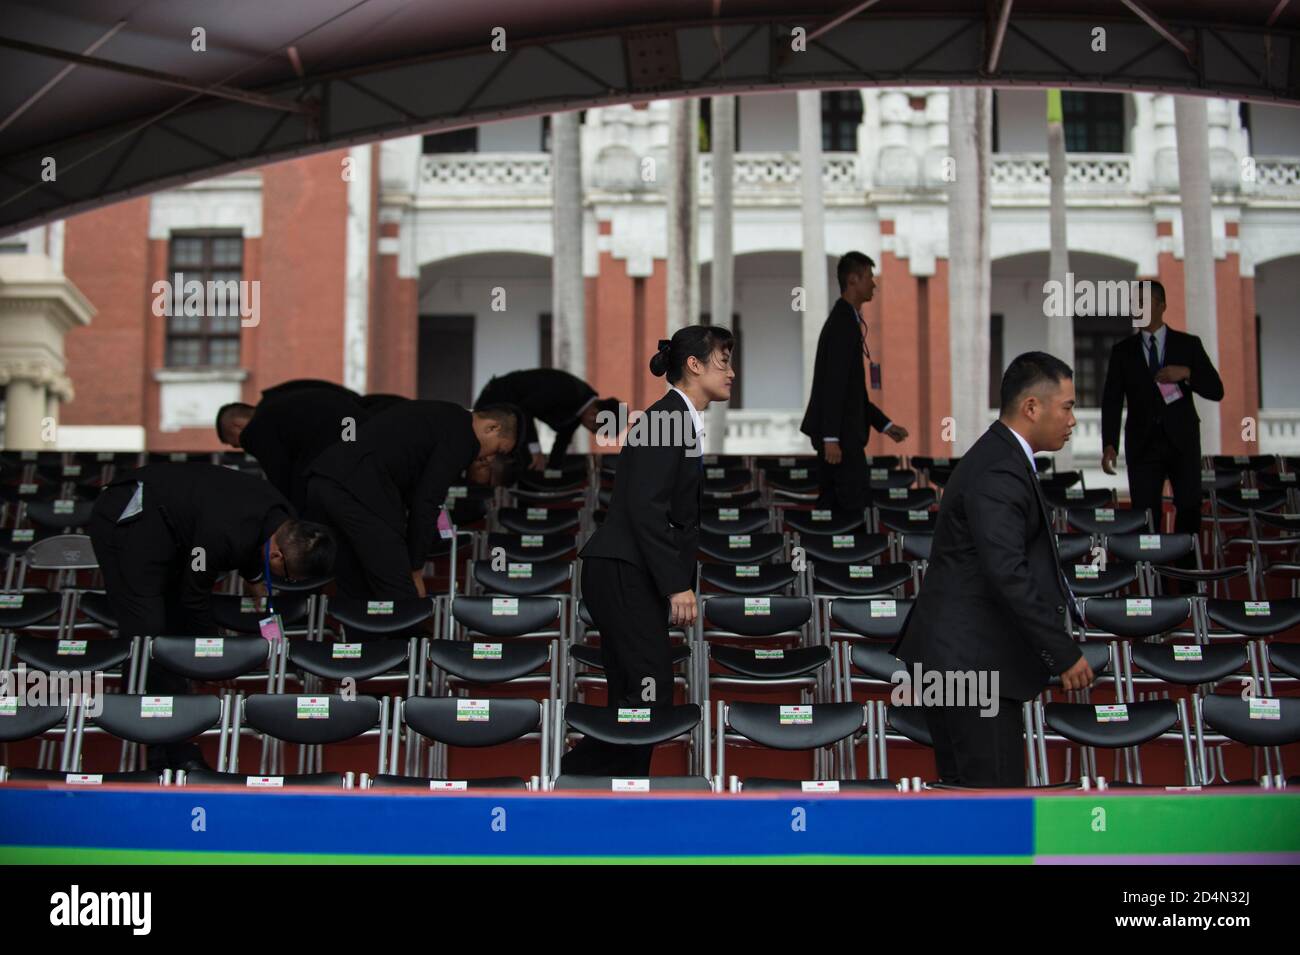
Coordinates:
x,y
458,490
84,779
1104,513
1112,713
629,785
104,456
715,474
785,462
747,570
858,571
796,715
1257,608
728,513
24,534
1074,493
486,651
345,651
758,606
516,571
313,707
898,493
64,506
633,714
1250,493
737,540
178,457
11,601
798,474
210,647
27,456
942,462
1262,708
879,474
1148,542
1287,478
552,474
26,488
158,707
842,540
884,608
1086,571
819,515
472,711
252,604
264,782
379,606
1137,607
448,785
505,606
71,648
537,513
1208,475
918,516
769,654
1240,459
8,706
72,470
721,495
1187,652
820,785
530,540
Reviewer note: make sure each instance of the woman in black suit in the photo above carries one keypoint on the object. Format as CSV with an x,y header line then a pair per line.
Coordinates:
x,y
638,569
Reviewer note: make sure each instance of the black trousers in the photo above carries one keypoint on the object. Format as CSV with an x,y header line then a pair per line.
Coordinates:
x,y
633,621
142,572
1149,464
974,750
843,485
372,562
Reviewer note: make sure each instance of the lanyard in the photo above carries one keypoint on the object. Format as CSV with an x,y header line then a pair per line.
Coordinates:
x,y
266,575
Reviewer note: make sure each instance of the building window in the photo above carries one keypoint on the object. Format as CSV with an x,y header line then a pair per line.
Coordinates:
x,y
545,358
205,333
1094,122
1094,337
995,361
452,141
841,117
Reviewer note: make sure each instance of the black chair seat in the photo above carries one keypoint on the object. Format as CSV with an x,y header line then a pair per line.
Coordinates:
x,y
28,722
1072,547
1208,574
572,783
734,520
1215,662
878,618
1255,618
56,515
16,542
488,662
242,614
94,604
308,585
380,616
726,479
43,653
279,715
26,610
917,546
1078,722
1231,716
823,522
59,776
909,522
524,578
1152,548
860,579
910,721
344,660
630,726
807,726
848,547
591,657
904,499
1097,655
1286,657
531,520
765,784
427,784
1245,500
877,662
461,721
752,579
731,498
1088,581
756,616
881,477
211,658
1067,497
525,547
210,777
1109,520
125,715
774,664
506,616
741,548
1136,616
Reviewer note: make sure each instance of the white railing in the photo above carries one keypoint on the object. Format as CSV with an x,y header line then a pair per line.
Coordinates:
x,y
482,175
1275,176
1279,431
775,173
1090,173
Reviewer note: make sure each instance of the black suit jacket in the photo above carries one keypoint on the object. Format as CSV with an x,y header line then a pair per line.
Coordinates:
x,y
229,514
993,597
290,429
401,465
838,405
654,513
1128,378
299,384
543,394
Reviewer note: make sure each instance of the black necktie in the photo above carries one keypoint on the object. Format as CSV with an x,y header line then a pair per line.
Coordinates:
x,y
1153,356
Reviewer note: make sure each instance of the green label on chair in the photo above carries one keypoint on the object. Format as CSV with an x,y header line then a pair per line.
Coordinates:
x,y
313,707
842,540
264,782
1250,494
1262,708
72,470
104,456
858,571
11,601
737,540
537,513
715,474
1257,608
1104,513
942,462
8,706
721,495
1073,493
1137,607
71,648
1187,653
634,714
898,493
1112,713
747,570
918,515
796,715
210,647
472,711
27,455
24,535
379,606
159,707
530,540
552,474
252,604
1240,459
486,651
785,462
1208,475
517,571
728,513
798,474
1287,478
26,488
345,651
879,474
758,606
1148,542
819,515
769,654
505,606
1086,571
884,608
458,490
179,457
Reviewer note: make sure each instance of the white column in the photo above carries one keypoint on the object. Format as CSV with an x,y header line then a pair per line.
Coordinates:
x,y
356,281
813,238
969,265
1198,244
1060,328
683,213
568,292
722,293
24,413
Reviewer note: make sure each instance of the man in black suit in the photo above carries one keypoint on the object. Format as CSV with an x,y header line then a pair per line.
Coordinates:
x,y
165,534
839,407
288,430
383,492
994,599
562,401
297,384
1157,371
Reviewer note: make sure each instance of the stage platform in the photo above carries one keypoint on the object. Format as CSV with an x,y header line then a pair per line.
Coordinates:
x,y
69,825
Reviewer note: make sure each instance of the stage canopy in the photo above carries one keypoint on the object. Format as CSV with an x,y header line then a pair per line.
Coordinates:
x,y
130,96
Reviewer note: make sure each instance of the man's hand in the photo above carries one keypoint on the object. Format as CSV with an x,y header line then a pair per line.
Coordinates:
x,y
417,578
1173,373
897,432
832,453
681,608
538,463
1079,676
1108,458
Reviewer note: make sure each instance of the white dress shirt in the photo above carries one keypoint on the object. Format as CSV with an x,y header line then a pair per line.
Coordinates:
x,y
695,415
1025,444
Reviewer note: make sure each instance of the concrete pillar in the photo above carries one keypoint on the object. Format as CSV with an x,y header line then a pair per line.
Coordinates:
x,y
813,238
683,214
723,291
568,290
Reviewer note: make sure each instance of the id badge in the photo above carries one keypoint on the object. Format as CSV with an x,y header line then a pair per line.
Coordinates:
x,y
1170,391
875,376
